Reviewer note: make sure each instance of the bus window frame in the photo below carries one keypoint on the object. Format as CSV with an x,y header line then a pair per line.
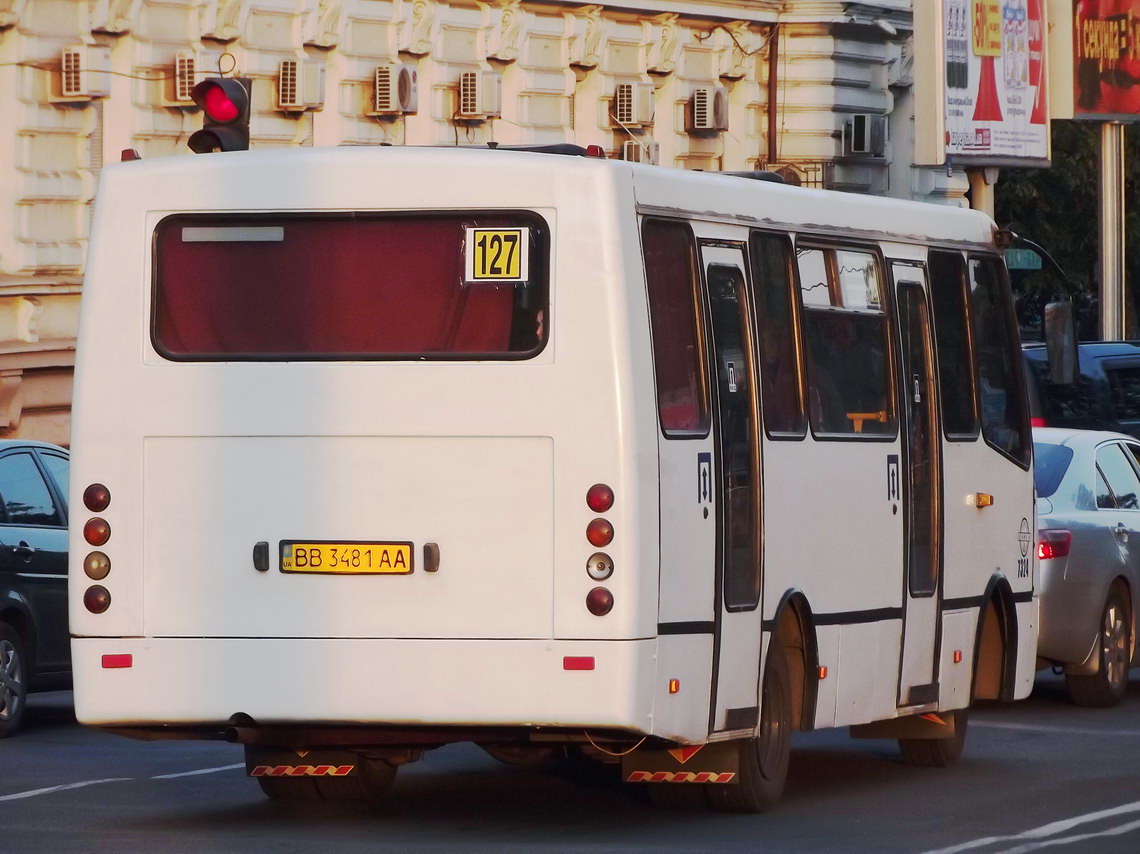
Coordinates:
x,y
1017,361
540,251
700,332
830,245
796,308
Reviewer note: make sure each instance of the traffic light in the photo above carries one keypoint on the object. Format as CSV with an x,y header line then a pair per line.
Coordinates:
x,y
225,114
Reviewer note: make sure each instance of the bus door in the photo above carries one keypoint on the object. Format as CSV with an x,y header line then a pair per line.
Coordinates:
x,y
736,645
922,482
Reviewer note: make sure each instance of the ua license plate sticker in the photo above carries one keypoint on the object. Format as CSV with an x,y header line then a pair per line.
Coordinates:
x,y
346,558
497,255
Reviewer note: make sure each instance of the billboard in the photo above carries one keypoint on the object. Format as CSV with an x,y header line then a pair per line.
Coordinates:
x,y
1106,59
982,100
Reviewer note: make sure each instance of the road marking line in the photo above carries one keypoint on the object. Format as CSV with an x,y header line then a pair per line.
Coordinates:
x,y
31,793
1061,729
1050,829
199,771
1067,840
62,788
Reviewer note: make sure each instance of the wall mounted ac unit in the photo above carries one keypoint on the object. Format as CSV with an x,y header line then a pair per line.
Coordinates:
x,y
865,135
300,86
83,73
633,105
641,151
395,90
480,95
707,110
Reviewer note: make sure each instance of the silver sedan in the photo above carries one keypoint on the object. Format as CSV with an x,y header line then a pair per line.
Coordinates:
x,y
1088,512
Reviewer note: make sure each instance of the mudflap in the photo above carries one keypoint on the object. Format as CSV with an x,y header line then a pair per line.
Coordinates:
x,y
931,725
718,762
282,762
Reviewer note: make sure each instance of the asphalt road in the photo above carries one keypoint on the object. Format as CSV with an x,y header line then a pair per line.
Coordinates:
x,y
1036,775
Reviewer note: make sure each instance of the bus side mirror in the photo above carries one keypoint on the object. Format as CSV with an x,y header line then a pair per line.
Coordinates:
x,y
1061,342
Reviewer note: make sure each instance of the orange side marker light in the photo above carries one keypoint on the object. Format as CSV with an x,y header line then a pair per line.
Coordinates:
x,y
674,686
823,671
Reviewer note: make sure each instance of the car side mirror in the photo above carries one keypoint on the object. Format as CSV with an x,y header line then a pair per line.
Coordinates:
x,y
1061,342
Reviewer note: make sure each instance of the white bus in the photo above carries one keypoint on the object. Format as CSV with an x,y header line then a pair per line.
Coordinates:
x,y
378,449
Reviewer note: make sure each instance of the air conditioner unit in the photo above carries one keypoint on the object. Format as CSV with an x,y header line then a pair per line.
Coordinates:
x,y
641,151
708,110
300,86
83,73
865,134
395,90
480,95
633,104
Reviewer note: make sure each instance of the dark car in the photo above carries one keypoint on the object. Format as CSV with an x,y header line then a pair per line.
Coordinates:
x,y
35,650
1105,396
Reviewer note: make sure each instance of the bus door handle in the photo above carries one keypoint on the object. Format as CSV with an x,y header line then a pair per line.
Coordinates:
x,y
23,550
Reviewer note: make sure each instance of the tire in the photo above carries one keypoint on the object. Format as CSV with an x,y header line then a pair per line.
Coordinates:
x,y
936,752
371,782
1107,686
13,680
763,759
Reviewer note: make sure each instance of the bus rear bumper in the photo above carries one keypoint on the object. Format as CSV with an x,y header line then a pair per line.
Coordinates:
x,y
216,682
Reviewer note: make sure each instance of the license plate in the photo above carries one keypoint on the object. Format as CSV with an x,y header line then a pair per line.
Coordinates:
x,y
346,558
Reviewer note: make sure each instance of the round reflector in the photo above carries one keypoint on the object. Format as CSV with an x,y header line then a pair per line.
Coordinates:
x,y
600,498
97,565
599,567
599,601
96,497
600,533
96,599
96,531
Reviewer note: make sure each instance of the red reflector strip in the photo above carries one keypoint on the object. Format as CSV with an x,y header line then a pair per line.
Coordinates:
x,y
680,777
578,662
301,770
1038,422
110,662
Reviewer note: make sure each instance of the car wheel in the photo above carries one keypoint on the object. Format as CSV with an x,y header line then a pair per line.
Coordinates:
x,y
936,752
13,680
1106,687
763,759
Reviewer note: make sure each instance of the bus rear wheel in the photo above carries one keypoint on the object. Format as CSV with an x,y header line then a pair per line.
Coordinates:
x,y
763,759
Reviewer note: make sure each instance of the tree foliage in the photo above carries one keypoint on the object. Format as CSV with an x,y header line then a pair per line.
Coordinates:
x,y
1057,208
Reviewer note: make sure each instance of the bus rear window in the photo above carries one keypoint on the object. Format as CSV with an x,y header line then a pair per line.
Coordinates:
x,y
350,286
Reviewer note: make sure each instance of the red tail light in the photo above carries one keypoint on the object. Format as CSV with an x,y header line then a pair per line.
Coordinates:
x,y
599,601
1053,542
96,531
1038,422
96,497
600,533
600,498
96,599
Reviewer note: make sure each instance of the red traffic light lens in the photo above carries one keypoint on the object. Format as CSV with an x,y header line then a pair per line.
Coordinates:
x,y
218,105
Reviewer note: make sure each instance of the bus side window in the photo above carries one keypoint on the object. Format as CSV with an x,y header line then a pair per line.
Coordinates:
x,y
1005,419
671,278
773,277
846,343
952,344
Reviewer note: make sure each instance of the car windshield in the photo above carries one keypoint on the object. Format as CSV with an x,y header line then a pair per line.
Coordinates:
x,y
1051,462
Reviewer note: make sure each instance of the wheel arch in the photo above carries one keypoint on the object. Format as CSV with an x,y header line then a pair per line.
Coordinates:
x,y
793,634
995,643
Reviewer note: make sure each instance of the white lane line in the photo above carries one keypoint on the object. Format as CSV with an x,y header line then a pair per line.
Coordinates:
x,y
1060,729
199,771
31,793
1050,829
1067,840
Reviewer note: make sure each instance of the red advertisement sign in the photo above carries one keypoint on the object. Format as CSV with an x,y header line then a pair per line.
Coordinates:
x,y
1106,59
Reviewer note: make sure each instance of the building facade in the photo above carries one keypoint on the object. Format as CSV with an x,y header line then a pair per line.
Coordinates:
x,y
819,89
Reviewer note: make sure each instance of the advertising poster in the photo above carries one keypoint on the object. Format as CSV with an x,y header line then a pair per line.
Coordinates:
x,y
1106,59
995,82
